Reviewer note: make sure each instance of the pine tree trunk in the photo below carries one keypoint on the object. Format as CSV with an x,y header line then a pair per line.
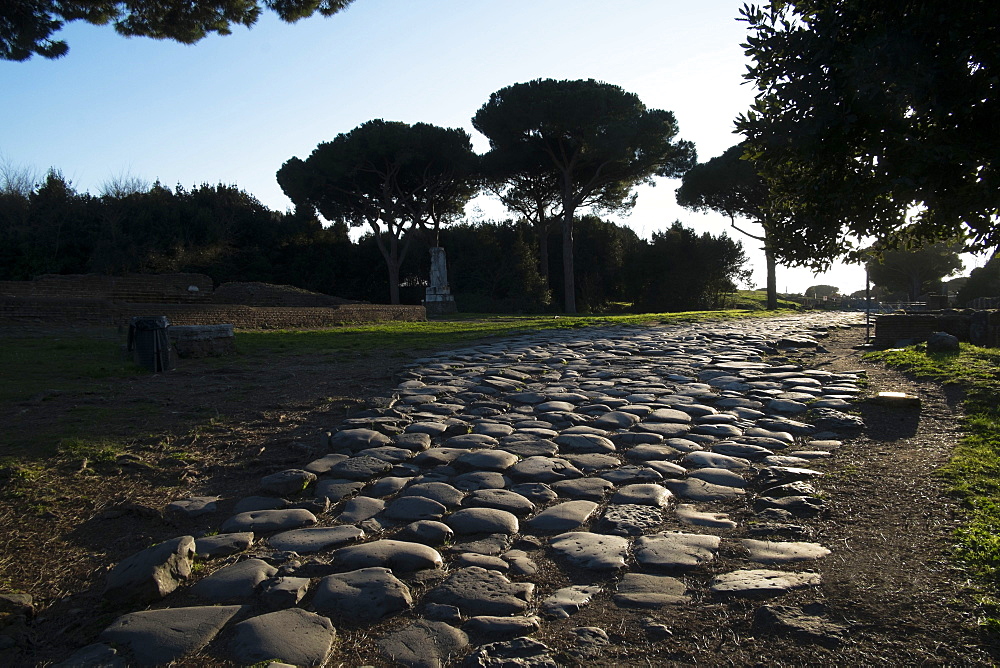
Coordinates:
x,y
569,280
772,280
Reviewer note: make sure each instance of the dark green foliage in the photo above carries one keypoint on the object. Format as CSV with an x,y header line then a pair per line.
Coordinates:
x,y
594,140
393,177
680,270
730,185
915,271
27,26
868,112
983,282
820,291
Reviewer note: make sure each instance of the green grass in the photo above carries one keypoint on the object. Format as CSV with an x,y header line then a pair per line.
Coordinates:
x,y
973,472
438,334
756,300
34,365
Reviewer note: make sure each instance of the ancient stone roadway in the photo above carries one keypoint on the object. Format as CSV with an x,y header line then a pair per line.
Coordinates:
x,y
614,450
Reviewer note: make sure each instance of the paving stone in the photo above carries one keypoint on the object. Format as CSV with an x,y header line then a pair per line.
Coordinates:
x,y
157,637
584,444
411,508
482,520
529,446
627,475
489,627
643,494
315,539
689,514
591,550
252,503
644,453
363,596
630,519
639,590
486,460
568,600
501,499
222,545
397,555
590,463
413,441
387,453
95,655
694,489
283,591
664,430
768,552
427,532
151,574
589,489
474,480
193,506
337,489
713,460
360,467
233,584
518,653
761,582
723,477
358,439
487,561
287,483
265,521
543,469
445,494
359,509
796,506
561,517
477,591
537,492
294,636
675,550
424,644
325,463
387,486
429,427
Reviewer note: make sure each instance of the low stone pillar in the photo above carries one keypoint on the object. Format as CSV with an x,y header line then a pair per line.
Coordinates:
x,y
438,299
202,340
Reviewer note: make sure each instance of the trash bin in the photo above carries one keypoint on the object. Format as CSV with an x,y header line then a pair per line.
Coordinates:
x,y
148,342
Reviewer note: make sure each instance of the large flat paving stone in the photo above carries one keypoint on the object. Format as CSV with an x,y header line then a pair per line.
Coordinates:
x,y
266,521
294,636
396,555
695,489
647,494
482,520
543,469
316,539
761,582
568,600
592,550
501,499
562,517
689,514
477,591
639,590
424,644
233,584
151,574
157,637
771,552
676,550
223,544
414,508
363,596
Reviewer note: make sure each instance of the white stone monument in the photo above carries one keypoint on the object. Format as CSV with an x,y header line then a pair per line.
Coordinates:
x,y
438,299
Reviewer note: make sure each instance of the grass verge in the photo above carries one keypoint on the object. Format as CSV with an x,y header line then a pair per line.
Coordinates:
x,y
973,473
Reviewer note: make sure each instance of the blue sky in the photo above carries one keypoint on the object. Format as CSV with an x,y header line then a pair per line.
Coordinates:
x,y
233,109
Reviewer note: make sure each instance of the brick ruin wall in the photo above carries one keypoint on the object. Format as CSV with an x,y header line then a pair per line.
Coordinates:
x,y
103,301
981,328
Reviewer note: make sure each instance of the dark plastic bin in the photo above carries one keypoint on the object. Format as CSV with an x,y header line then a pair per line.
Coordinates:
x,y
148,342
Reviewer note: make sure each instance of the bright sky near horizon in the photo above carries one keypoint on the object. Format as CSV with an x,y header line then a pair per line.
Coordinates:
x,y
234,109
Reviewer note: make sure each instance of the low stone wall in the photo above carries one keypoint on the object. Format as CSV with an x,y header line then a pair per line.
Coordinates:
x,y
98,312
137,288
981,328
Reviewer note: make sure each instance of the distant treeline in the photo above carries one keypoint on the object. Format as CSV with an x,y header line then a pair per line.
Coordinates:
x,y
229,235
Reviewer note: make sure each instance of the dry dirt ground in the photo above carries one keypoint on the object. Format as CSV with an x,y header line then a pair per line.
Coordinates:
x,y
888,581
